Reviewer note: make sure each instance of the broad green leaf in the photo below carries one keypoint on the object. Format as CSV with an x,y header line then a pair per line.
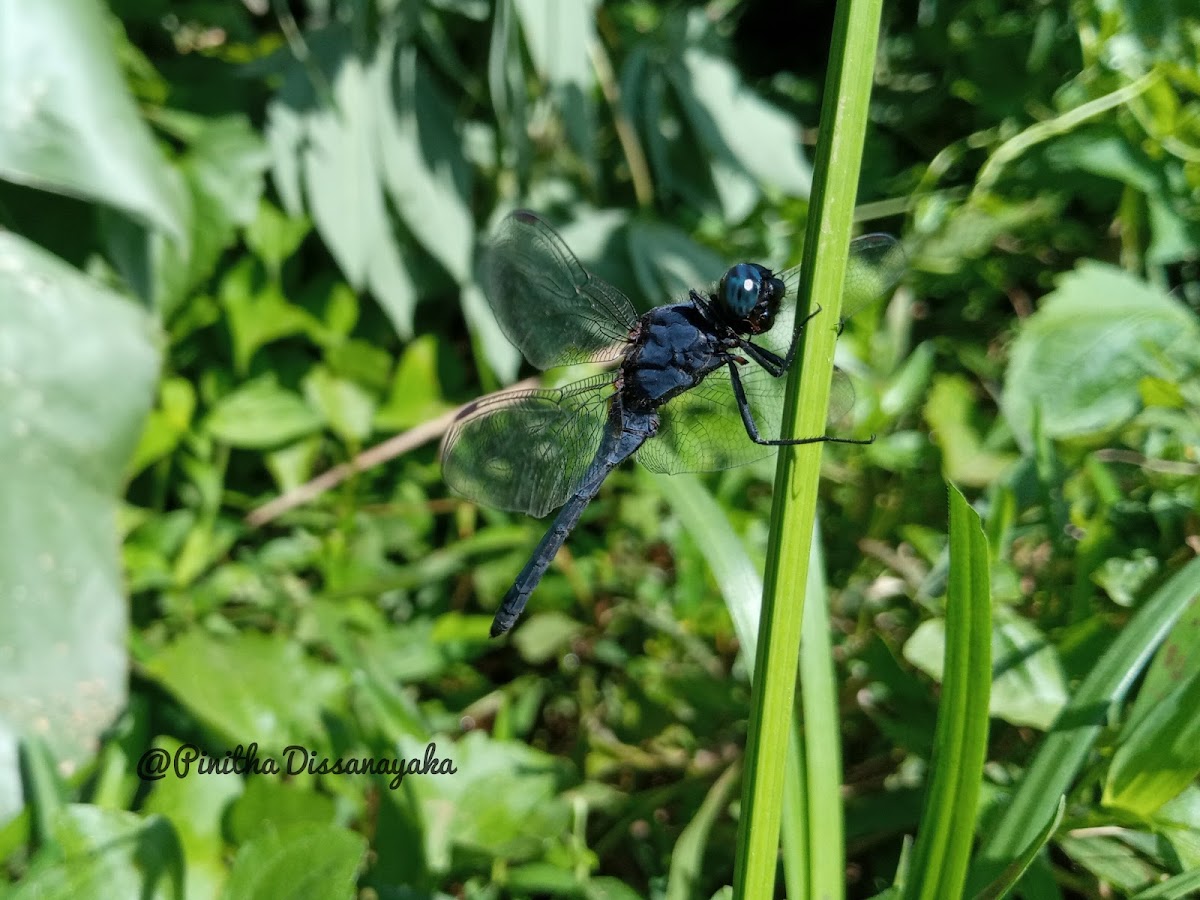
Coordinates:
x,y
1175,662
1080,358
949,411
1122,579
1028,686
491,344
196,807
545,635
257,313
763,139
967,232
1158,752
275,700
95,852
343,404
340,176
266,803
415,395
944,839
297,864
166,425
423,167
338,142
1110,859
668,263
67,121
261,415
223,170
274,236
1179,822
560,38
503,799
78,365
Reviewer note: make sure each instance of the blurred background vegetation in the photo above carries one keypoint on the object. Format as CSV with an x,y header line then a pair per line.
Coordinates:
x,y
238,246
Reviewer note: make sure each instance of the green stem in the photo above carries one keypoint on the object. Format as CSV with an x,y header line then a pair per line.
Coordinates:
x,y
835,186
1059,125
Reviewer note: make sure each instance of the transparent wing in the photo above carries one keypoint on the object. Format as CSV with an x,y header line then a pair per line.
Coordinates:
x,y
552,309
702,430
874,267
527,450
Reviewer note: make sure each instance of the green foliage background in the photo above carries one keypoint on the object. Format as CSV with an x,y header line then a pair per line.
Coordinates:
x,y
238,248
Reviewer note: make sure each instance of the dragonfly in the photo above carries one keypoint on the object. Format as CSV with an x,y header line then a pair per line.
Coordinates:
x,y
691,386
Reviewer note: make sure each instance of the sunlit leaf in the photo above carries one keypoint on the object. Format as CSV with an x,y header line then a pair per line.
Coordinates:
x,y
71,422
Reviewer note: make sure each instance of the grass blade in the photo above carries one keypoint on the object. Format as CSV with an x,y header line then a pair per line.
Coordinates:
x,y
1065,750
947,829
835,186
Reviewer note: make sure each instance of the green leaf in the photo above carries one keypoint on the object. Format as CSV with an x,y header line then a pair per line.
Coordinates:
x,y
258,313
1028,686
1158,752
70,423
560,37
1065,750
667,262
415,395
274,236
944,839
196,808
826,248
224,167
266,804
1079,359
297,864
1013,872
336,138
343,404
687,859
276,699
423,167
166,425
74,129
503,799
545,635
261,415
763,139
949,411
1180,887
96,852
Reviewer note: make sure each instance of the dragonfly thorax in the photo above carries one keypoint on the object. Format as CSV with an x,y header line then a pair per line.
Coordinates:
x,y
675,348
748,298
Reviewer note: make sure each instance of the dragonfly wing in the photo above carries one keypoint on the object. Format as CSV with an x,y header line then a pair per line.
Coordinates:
x,y
874,266
841,398
552,309
701,430
527,450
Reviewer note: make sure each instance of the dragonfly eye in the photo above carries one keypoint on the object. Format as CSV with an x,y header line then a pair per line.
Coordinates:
x,y
740,289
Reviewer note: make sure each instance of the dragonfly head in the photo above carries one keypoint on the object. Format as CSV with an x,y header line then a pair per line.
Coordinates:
x,y
749,296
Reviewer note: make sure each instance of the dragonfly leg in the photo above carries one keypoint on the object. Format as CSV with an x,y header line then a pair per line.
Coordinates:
x,y
774,363
739,393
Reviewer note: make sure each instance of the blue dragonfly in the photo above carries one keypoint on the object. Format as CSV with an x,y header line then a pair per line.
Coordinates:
x,y
694,386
